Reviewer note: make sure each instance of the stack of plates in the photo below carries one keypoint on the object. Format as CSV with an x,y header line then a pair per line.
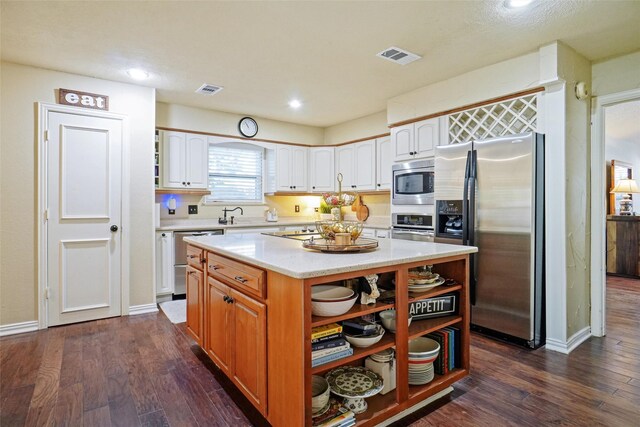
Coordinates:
x,y
422,353
423,281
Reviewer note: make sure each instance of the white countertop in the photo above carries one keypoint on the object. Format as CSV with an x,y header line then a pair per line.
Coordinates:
x,y
249,222
288,257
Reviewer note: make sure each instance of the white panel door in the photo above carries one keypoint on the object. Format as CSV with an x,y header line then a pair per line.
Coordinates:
x,y
321,165
196,170
84,184
344,165
173,160
365,165
299,169
426,137
402,140
384,162
283,168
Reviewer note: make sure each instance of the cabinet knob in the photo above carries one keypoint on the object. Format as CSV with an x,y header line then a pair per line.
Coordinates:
x,y
213,267
314,187
241,279
378,185
188,183
294,187
225,298
184,183
230,300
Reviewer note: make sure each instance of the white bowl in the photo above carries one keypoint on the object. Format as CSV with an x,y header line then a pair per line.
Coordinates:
x,y
388,318
423,348
320,393
362,341
332,308
330,293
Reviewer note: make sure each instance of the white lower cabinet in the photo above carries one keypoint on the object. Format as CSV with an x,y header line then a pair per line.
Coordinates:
x,y
164,263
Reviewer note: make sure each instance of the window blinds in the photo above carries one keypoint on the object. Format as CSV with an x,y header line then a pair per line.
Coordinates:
x,y
235,173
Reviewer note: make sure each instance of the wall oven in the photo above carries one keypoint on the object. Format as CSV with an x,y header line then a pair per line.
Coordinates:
x,y
412,226
413,183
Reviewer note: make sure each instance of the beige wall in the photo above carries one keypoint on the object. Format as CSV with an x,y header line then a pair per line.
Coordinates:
x,y
574,68
22,87
364,127
489,82
198,119
616,75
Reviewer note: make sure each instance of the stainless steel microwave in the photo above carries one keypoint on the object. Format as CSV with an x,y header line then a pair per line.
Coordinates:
x,y
413,183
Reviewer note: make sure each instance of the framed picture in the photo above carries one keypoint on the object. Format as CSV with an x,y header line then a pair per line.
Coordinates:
x,y
618,170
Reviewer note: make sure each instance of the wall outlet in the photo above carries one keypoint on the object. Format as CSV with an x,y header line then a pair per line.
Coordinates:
x,y
297,208
193,209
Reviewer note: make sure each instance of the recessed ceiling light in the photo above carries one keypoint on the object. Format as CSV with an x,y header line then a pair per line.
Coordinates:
x,y
513,4
294,103
138,74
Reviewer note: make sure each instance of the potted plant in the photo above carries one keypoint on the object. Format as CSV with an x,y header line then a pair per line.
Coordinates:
x,y
325,210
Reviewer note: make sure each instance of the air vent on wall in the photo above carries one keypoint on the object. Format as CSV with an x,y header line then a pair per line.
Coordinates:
x,y
399,56
207,89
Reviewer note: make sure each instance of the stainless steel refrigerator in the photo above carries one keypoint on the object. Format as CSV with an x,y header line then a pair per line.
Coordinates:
x,y
490,194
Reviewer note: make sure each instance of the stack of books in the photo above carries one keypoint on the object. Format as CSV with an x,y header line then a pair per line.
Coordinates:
x,y
328,344
359,326
336,416
449,357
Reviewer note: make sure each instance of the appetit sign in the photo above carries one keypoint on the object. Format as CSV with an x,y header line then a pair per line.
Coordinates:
x,y
83,99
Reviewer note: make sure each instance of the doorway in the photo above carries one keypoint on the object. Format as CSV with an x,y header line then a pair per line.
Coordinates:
x,y
615,125
83,230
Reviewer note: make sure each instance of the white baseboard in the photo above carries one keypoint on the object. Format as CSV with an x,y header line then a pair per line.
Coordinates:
x,y
567,347
142,309
18,328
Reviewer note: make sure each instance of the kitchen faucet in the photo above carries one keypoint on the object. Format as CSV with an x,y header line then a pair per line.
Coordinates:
x,y
225,210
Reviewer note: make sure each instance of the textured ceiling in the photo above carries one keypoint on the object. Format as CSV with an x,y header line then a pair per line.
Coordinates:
x,y
265,53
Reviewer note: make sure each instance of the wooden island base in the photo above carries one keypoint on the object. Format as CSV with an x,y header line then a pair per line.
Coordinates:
x,y
255,324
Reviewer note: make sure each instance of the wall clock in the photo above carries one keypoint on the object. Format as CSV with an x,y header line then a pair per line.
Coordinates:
x,y
248,127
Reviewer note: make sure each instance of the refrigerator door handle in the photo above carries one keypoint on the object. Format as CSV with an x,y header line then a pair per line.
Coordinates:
x,y
465,204
473,262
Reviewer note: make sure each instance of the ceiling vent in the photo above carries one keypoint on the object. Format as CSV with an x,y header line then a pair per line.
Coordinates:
x,y
207,89
399,56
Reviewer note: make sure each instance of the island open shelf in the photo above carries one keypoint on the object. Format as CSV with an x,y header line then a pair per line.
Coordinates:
x,y
249,308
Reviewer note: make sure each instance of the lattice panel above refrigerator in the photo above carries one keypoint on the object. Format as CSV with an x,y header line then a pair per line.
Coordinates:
x,y
502,118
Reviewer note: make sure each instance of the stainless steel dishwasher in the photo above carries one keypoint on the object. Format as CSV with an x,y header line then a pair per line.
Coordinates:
x,y
180,257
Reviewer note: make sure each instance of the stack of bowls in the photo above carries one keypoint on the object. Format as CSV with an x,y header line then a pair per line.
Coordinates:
x,y
331,300
363,341
423,352
320,394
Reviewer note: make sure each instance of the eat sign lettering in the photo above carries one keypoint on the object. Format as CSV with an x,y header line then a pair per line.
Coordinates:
x,y
83,99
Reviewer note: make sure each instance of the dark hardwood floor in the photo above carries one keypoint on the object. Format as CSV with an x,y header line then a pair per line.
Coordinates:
x,y
143,370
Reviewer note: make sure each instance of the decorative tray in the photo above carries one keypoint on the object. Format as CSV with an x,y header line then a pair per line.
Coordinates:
x,y
323,245
354,381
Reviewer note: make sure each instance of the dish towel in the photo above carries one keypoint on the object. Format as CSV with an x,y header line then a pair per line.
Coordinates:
x,y
176,310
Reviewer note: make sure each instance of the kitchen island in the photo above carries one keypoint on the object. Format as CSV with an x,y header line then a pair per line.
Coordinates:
x,y
249,308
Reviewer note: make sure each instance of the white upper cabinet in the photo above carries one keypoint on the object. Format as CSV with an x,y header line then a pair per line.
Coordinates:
x,y
415,140
321,169
357,164
384,162
184,160
291,168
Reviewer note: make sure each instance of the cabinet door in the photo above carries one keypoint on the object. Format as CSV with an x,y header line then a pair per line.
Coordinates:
x,y
197,172
344,165
299,168
283,168
195,303
164,263
402,141
218,345
321,169
364,164
249,364
426,137
384,162
173,160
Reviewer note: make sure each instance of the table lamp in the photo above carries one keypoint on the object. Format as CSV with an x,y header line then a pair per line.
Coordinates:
x,y
626,186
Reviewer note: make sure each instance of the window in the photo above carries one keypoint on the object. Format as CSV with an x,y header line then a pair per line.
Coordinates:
x,y
235,173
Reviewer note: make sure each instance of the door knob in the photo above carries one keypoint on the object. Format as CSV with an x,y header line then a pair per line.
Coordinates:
x,y
114,228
